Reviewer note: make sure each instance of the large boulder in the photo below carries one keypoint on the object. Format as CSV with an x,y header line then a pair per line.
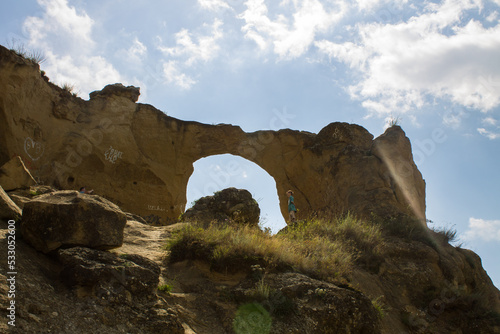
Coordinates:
x,y
8,209
15,175
69,218
108,276
228,205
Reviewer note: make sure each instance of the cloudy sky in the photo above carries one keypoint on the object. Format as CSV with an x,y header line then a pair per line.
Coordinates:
x,y
301,64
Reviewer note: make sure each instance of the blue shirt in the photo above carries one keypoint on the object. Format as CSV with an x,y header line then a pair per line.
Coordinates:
x,y
291,204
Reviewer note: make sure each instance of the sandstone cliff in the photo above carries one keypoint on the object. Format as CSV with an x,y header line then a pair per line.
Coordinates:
x,y
141,159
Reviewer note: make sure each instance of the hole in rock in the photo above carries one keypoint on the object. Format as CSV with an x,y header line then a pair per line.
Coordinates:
x,y
223,171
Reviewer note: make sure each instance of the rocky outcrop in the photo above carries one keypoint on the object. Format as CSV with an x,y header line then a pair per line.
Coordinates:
x,y
230,205
14,175
68,218
142,159
117,279
8,209
300,304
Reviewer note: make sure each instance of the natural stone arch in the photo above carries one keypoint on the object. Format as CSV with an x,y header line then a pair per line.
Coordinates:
x,y
217,172
140,158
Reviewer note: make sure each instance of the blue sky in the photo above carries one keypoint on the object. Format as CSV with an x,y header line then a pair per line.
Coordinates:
x,y
301,64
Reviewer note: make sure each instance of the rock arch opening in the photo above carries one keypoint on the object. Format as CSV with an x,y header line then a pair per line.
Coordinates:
x,y
222,171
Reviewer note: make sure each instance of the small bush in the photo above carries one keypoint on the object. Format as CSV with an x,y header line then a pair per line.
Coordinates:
x,y
167,288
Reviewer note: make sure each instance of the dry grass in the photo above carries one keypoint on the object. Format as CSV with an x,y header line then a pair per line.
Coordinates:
x,y
323,249
35,56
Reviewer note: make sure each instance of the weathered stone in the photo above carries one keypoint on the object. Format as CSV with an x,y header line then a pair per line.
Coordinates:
x,y
23,196
228,205
142,159
68,218
314,306
118,89
8,209
108,276
394,149
14,175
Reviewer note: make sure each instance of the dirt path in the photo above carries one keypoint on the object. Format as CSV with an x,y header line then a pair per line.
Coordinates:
x,y
195,289
146,240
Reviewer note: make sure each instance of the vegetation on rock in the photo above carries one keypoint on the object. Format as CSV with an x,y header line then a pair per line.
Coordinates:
x,y
323,249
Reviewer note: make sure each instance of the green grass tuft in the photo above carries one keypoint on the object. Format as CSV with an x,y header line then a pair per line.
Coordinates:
x,y
167,288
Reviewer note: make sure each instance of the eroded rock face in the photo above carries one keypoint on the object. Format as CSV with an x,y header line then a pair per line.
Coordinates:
x,y
142,159
68,218
228,205
14,175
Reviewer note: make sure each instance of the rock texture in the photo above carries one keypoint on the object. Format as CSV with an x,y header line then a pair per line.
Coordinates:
x,y
14,175
142,159
8,209
229,205
119,279
306,305
22,196
68,218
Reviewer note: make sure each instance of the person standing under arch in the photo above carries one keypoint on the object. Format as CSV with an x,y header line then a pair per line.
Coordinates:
x,y
292,210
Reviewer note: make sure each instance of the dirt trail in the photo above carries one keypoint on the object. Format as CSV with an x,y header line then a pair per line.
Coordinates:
x,y
196,291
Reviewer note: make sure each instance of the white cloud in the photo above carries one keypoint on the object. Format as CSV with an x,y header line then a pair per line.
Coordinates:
x,y
64,35
493,16
289,38
432,55
205,49
62,21
370,4
173,74
490,121
188,52
213,5
136,52
489,134
87,74
486,230
492,133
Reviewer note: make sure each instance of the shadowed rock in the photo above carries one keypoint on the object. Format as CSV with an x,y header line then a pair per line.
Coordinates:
x,y
68,218
8,209
228,205
14,175
109,276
